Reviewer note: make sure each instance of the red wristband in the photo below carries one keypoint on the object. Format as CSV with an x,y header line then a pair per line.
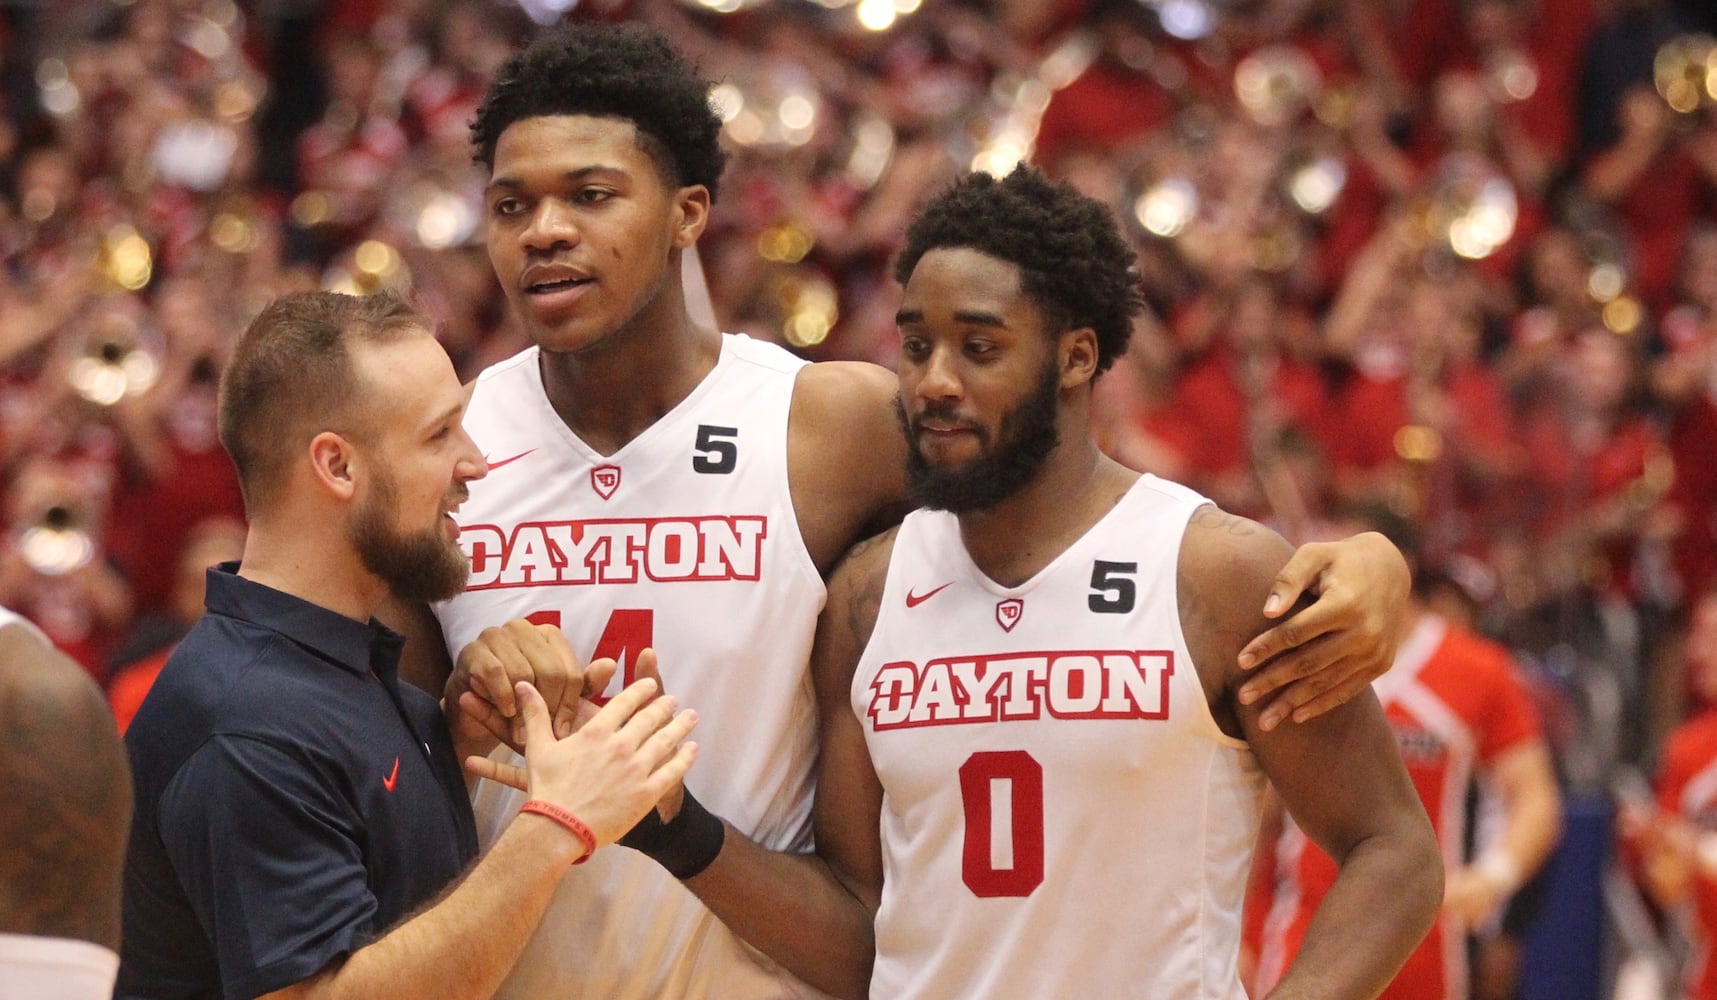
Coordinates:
x,y
567,820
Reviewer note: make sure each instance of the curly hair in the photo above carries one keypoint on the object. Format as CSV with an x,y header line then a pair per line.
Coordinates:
x,y
625,71
1072,259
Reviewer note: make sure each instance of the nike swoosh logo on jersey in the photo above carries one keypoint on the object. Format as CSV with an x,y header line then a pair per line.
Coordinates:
x,y
914,600
392,779
506,461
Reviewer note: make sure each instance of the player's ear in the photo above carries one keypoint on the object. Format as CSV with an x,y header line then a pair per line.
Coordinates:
x,y
1077,358
691,214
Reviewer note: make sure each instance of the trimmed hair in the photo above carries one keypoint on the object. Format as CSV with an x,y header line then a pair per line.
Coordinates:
x,y
291,377
625,71
1073,262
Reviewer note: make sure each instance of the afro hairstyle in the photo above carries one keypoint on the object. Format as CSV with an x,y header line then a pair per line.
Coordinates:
x,y
1072,259
625,71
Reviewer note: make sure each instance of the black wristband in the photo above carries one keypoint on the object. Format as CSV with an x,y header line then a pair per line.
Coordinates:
x,y
685,846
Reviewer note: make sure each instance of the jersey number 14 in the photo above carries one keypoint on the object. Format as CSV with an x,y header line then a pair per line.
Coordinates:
x,y
629,632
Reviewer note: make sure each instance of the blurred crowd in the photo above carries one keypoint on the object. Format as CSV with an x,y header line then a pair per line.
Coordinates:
x,y
1452,259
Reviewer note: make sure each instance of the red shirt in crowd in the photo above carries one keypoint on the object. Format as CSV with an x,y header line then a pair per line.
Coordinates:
x,y
1687,787
1456,703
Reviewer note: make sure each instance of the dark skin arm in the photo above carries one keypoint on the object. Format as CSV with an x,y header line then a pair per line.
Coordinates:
x,y
69,797
1330,650
813,913
1339,775
424,661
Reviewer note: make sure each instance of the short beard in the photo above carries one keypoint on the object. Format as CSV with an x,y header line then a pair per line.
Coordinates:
x,y
1024,441
424,566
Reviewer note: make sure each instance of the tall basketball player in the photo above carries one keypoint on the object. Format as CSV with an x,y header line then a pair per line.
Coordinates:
x,y
654,483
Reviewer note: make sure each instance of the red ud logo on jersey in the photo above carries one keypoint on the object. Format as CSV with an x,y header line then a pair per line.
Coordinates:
x,y
605,479
1008,613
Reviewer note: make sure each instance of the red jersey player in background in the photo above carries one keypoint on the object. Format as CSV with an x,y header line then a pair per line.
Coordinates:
x,y
1460,713
1678,842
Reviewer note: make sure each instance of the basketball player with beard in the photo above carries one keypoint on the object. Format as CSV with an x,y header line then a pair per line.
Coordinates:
x,y
297,808
657,485
1036,777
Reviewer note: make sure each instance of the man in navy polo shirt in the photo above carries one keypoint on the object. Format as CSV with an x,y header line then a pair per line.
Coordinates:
x,y
296,804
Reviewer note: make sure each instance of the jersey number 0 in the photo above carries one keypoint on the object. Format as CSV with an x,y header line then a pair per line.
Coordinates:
x,y
1002,791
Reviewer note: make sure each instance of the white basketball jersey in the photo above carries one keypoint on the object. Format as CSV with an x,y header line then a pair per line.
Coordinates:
x,y
685,540
1061,815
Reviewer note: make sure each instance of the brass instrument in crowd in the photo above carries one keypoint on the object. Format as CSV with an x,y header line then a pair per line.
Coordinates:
x,y
1469,209
1685,72
808,305
118,357
57,541
1314,180
1510,75
1162,205
1188,20
124,258
1277,84
435,213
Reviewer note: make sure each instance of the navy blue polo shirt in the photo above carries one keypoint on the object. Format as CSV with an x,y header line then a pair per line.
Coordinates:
x,y
294,799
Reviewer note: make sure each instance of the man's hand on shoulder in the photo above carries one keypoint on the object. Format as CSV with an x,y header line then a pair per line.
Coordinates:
x,y
1227,565
1332,649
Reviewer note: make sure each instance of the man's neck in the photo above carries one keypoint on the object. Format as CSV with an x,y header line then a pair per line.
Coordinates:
x,y
612,392
1014,540
320,570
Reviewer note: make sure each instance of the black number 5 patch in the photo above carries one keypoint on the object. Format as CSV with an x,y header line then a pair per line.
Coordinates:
x,y
1113,591
717,450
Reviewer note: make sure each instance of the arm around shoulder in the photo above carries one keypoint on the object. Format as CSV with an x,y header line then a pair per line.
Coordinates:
x,y
1339,775
1333,648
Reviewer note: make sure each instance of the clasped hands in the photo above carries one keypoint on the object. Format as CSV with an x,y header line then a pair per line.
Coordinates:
x,y
609,761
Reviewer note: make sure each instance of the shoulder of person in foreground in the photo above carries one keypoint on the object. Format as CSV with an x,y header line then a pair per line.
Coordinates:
x,y
1339,775
68,789
846,455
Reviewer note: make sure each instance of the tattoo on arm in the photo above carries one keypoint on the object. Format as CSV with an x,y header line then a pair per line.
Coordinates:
x,y
862,607
864,591
1216,519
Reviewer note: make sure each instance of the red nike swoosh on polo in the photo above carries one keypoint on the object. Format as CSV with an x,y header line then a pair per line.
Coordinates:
x,y
496,465
914,600
392,779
